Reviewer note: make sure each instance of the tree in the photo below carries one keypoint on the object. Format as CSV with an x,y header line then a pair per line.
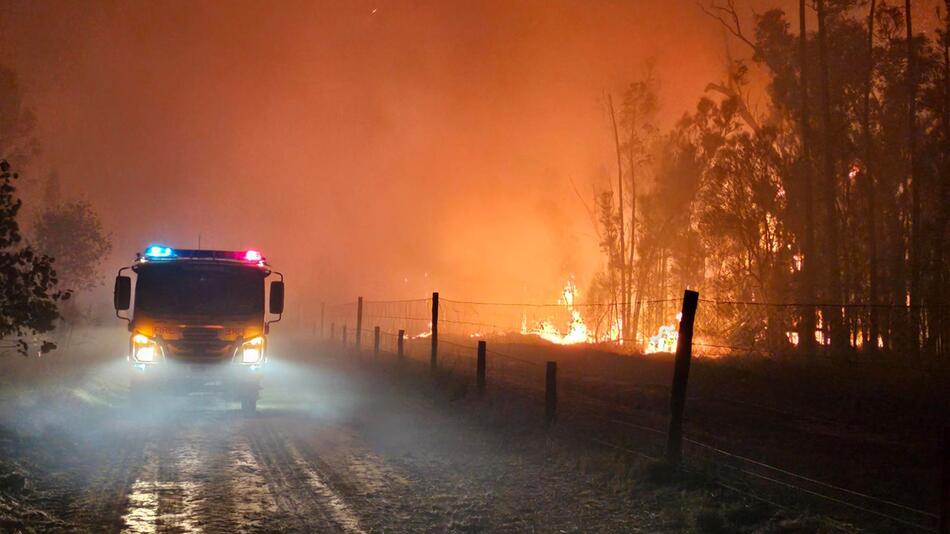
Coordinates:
x,y
624,266
914,179
835,191
638,116
939,267
634,136
72,233
29,292
809,254
16,120
867,172
832,264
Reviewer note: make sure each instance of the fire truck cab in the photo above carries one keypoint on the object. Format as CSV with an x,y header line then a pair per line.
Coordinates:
x,y
197,321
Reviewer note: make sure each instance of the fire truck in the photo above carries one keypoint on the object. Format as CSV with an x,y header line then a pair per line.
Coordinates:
x,y
197,321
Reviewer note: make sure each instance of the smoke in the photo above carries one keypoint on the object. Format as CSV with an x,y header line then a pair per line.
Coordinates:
x,y
385,150
85,387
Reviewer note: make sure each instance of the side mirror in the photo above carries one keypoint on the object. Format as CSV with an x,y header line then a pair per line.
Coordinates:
x,y
122,296
277,297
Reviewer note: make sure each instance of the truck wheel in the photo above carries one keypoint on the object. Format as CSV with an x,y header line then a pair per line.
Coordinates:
x,y
249,405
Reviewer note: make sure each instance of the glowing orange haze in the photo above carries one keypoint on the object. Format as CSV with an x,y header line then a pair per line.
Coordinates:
x,y
429,145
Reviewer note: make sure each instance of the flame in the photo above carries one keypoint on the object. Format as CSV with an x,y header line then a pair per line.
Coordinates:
x,y
577,331
424,334
665,338
792,338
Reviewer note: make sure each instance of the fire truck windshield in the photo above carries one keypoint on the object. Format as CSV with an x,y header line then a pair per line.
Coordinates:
x,y
175,289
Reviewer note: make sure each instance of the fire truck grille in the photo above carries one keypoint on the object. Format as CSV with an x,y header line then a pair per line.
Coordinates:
x,y
199,344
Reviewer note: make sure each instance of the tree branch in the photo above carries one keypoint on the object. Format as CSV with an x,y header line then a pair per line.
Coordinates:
x,y
743,109
728,17
587,208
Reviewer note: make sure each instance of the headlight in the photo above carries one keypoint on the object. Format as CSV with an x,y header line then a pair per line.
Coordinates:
x,y
252,350
145,349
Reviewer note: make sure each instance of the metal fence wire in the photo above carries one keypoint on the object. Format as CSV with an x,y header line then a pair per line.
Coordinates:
x,y
811,340
723,326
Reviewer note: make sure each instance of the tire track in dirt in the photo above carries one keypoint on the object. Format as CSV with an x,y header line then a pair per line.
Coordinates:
x,y
337,508
253,506
167,491
379,493
102,500
300,508
199,475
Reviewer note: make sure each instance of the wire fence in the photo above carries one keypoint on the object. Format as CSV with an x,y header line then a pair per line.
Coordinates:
x,y
833,417
856,332
914,335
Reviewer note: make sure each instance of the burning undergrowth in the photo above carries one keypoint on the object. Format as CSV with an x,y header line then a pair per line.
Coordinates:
x,y
607,329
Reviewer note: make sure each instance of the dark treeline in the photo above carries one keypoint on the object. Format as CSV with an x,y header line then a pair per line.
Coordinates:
x,y
833,194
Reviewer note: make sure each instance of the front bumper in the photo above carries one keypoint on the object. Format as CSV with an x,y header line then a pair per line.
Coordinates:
x,y
185,378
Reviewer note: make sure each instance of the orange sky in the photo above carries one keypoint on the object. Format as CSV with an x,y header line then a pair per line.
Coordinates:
x,y
428,145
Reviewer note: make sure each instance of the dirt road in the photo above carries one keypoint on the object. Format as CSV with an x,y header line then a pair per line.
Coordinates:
x,y
328,452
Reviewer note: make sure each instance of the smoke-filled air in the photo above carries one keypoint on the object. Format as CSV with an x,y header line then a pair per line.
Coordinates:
x,y
486,266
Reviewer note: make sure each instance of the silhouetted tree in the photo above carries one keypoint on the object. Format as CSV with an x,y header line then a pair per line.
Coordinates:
x,y
29,293
808,258
72,233
873,158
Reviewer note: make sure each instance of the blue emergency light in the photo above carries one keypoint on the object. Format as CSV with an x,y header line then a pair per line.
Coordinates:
x,y
159,251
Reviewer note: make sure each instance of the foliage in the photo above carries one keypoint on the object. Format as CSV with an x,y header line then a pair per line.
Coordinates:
x,y
29,293
725,209
72,233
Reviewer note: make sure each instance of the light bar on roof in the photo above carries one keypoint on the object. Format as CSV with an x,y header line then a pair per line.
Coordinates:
x,y
159,251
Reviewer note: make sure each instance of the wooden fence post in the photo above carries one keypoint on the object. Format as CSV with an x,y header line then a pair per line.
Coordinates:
x,y
684,354
434,359
945,486
323,314
399,344
344,335
332,330
376,341
359,321
480,368
550,393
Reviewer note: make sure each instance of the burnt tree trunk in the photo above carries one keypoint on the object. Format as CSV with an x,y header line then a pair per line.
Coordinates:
x,y
873,323
913,183
809,265
629,324
939,344
624,279
832,265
